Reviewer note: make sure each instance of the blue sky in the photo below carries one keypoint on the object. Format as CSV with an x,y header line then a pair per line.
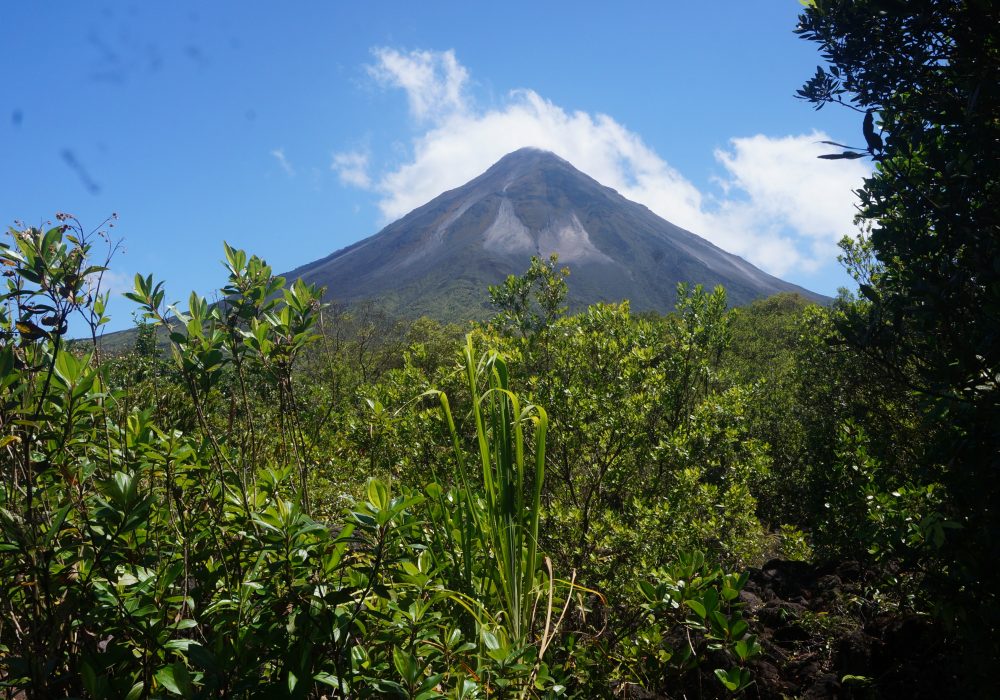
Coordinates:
x,y
294,130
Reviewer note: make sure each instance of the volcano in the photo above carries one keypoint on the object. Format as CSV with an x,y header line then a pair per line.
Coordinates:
x,y
439,259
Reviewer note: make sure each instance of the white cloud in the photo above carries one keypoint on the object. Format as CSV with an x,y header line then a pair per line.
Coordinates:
x,y
785,187
434,81
279,155
352,168
776,205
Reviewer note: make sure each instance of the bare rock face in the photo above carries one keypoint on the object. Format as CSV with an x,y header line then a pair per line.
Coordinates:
x,y
439,259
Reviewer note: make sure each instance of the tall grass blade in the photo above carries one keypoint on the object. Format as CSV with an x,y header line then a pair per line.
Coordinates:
x,y
504,515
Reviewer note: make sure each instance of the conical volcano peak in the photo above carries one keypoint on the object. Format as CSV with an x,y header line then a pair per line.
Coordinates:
x,y
527,161
529,155
440,258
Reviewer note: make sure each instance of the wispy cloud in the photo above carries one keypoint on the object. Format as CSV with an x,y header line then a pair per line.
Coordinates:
x,y
352,168
279,155
776,204
434,81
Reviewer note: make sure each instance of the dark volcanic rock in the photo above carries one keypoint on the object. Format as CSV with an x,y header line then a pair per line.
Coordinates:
x,y
812,639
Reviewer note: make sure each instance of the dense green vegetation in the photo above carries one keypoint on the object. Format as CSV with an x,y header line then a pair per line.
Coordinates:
x,y
270,512
298,500
927,77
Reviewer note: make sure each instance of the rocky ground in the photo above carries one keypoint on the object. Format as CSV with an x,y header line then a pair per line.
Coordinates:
x,y
823,638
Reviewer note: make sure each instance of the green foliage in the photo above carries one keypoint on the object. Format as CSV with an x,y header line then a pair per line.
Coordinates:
x,y
808,391
764,357
793,545
690,608
530,303
151,555
507,520
647,456
924,75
